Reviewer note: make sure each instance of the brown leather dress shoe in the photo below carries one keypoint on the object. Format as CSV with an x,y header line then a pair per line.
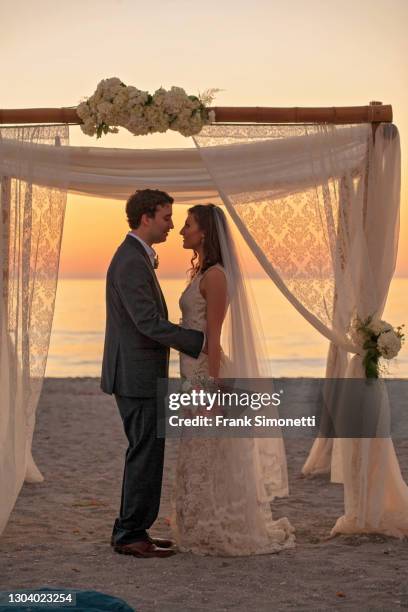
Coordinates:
x,y
144,549
162,543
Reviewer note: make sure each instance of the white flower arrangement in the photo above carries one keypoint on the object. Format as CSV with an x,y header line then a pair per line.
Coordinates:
x,y
198,381
115,104
378,339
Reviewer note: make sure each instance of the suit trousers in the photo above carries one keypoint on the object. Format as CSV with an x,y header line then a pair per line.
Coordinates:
x,y
143,471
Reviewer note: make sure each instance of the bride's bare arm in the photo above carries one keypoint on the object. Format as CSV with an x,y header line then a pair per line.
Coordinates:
x,y
213,288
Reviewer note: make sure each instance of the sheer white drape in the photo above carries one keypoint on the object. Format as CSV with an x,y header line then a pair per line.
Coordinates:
x,y
376,497
30,237
115,173
323,223
111,173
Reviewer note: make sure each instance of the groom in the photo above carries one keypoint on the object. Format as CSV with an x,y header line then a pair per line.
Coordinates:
x,y
138,338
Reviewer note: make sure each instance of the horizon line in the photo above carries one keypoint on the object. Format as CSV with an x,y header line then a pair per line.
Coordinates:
x,y
179,276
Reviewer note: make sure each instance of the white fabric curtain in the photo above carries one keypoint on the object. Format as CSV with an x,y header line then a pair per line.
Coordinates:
x,y
111,173
31,223
376,496
326,232
115,173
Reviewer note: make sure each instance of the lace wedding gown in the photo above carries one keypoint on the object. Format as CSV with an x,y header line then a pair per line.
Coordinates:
x,y
216,507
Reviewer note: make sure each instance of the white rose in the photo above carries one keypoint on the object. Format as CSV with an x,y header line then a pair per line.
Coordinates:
x,y
377,326
88,128
136,113
138,127
187,124
389,344
191,130
123,118
174,102
156,118
121,99
83,111
179,91
132,91
137,104
112,94
138,96
105,108
112,119
111,83
96,97
159,97
134,107
109,94
194,127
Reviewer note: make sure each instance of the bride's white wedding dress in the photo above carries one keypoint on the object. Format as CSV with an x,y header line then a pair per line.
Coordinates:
x,y
217,502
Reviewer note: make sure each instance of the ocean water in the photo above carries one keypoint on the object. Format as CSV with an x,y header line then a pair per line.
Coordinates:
x,y
294,347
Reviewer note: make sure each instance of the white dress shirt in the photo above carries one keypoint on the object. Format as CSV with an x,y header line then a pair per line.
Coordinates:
x,y
152,254
149,250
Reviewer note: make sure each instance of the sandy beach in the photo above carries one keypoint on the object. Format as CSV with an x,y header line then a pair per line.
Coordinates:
x,y
59,532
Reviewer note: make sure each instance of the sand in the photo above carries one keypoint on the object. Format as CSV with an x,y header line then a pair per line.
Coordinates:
x,y
59,531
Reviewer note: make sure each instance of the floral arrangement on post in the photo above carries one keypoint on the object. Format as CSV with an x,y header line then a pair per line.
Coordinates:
x,y
379,339
115,104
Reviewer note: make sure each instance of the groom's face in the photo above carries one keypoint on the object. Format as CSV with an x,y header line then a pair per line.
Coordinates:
x,y
160,224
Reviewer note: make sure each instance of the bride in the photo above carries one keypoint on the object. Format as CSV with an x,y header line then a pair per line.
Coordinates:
x,y
224,486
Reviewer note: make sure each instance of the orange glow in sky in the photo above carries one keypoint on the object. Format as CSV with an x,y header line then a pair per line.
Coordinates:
x,y
94,229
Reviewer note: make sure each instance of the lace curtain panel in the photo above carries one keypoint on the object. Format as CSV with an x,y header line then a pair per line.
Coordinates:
x,y
30,238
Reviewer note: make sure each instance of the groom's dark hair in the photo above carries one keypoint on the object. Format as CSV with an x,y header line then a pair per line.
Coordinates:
x,y
145,202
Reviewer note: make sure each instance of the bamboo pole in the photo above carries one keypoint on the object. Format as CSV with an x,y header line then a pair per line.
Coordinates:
x,y
375,112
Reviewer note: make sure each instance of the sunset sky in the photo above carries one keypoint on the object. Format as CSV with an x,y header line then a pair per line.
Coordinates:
x,y
281,53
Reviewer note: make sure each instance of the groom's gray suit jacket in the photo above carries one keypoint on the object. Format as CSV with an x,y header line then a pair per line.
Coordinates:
x,y
138,334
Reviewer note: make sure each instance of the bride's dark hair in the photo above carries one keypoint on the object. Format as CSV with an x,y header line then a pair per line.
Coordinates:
x,y
204,214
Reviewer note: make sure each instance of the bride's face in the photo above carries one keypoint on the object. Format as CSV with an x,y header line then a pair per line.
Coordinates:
x,y
192,234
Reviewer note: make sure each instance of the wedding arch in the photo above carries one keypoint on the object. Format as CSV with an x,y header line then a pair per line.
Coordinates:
x,y
315,194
